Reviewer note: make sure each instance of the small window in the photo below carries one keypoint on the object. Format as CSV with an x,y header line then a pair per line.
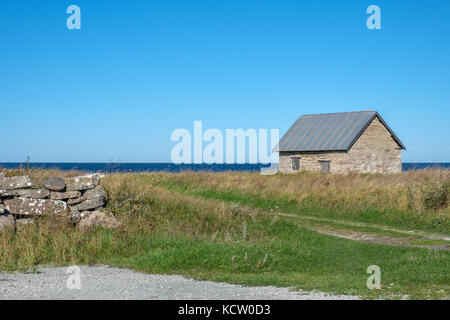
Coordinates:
x,y
325,166
295,164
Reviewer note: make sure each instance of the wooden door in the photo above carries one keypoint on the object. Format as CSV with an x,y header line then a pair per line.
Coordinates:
x,y
325,166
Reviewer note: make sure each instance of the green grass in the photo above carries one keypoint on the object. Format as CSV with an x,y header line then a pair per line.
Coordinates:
x,y
309,206
204,234
304,259
287,255
431,242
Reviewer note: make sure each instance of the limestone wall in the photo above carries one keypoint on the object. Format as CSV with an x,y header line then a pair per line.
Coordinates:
x,y
374,152
79,199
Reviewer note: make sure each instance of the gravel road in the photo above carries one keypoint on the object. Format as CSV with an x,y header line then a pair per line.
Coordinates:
x,y
103,282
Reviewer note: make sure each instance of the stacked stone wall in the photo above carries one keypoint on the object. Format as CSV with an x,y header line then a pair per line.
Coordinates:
x,y
80,199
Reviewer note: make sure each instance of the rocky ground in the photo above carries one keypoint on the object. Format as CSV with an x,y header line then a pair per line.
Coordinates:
x,y
102,282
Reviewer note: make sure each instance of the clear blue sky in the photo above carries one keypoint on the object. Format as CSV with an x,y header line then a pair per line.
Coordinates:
x,y
137,70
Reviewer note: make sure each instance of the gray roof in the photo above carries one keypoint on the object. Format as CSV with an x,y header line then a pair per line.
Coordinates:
x,y
329,131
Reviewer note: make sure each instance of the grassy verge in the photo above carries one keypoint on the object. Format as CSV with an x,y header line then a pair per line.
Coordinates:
x,y
167,231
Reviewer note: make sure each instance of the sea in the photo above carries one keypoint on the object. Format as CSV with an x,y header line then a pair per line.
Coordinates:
x,y
170,167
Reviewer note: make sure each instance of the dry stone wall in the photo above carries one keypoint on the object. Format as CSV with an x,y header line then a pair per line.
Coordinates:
x,y
79,199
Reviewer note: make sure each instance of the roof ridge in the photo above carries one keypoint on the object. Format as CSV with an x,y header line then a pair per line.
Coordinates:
x,y
329,113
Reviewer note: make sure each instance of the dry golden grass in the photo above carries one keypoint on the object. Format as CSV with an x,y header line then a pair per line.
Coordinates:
x,y
38,175
402,191
127,196
418,199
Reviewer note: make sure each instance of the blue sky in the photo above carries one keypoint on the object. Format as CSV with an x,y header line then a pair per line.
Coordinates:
x,y
137,70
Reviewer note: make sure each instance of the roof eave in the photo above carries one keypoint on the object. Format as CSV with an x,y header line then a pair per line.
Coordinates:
x,y
391,132
306,151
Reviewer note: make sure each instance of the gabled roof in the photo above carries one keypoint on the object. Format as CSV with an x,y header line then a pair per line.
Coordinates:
x,y
329,131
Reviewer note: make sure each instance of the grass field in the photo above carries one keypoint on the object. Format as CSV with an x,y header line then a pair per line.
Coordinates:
x,y
225,227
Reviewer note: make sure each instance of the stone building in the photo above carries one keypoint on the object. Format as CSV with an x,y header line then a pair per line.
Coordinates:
x,y
341,143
